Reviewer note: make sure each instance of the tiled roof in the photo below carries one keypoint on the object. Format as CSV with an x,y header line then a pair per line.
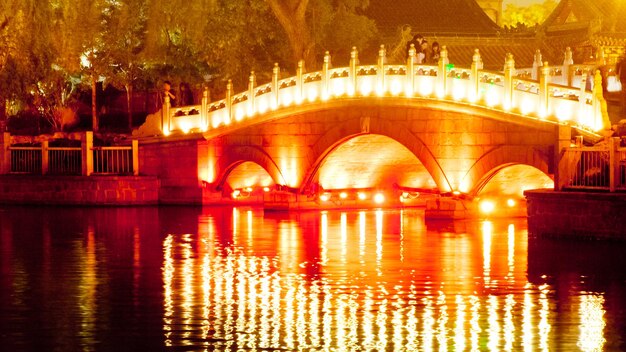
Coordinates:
x,y
460,17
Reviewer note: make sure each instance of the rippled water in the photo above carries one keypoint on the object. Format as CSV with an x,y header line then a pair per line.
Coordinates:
x,y
186,278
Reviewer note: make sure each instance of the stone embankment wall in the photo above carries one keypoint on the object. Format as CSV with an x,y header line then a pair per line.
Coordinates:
x,y
576,214
79,190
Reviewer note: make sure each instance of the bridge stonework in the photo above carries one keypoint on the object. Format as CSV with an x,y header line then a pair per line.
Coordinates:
x,y
459,147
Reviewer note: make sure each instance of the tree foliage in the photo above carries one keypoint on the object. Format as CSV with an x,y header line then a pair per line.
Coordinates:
x,y
54,49
515,16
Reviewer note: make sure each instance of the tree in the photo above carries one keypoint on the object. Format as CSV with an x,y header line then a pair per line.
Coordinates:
x,y
312,25
527,16
124,38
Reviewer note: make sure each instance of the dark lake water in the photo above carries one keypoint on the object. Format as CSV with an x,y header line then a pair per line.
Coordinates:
x,y
185,278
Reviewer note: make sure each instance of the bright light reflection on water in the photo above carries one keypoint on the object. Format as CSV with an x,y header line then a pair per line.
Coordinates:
x,y
242,279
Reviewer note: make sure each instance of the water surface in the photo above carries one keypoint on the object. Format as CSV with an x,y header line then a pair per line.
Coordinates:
x,y
185,278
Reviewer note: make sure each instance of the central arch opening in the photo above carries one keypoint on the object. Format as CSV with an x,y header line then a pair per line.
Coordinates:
x,y
374,164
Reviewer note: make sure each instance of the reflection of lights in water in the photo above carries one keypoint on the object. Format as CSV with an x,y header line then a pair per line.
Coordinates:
x,y
187,291
381,323
368,320
361,236
344,236
474,322
511,252
168,273
301,322
459,326
442,321
88,287
544,311
487,229
398,323
494,326
379,240
592,322
324,238
428,321
509,327
412,330
237,299
527,321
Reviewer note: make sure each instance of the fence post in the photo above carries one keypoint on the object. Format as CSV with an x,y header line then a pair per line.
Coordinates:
x,y
380,73
325,76
568,61
442,73
354,61
544,92
477,64
509,72
410,72
562,173
229,102
205,108
300,82
87,153
613,163
5,154
44,157
135,147
275,87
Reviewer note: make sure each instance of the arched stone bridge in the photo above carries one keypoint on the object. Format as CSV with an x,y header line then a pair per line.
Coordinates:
x,y
414,128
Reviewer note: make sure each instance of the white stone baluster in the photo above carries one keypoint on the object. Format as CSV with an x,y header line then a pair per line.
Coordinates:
x,y
251,95
380,73
544,91
477,65
537,63
300,81
568,61
410,72
229,102
354,62
326,76
509,73
275,78
442,73
204,113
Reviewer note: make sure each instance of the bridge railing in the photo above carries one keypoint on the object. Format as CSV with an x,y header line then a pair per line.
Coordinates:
x,y
39,158
600,167
509,91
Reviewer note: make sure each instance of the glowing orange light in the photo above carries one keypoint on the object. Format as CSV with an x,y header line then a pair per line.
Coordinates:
x,y
510,202
487,207
325,197
248,189
266,189
236,193
343,195
456,193
379,198
362,196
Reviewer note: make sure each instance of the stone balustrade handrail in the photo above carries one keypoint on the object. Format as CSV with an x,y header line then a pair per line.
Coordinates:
x,y
509,91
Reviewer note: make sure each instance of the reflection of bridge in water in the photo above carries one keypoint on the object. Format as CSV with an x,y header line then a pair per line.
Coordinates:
x,y
382,133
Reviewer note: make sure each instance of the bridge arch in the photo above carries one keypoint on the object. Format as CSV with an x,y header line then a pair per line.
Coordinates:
x,y
240,154
367,125
499,158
